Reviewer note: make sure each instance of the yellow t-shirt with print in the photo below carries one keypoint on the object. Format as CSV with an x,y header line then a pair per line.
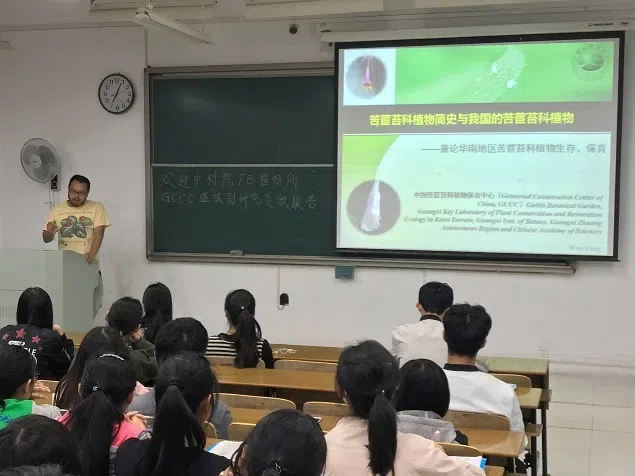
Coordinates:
x,y
75,225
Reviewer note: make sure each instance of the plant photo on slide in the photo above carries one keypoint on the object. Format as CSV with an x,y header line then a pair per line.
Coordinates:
x,y
366,77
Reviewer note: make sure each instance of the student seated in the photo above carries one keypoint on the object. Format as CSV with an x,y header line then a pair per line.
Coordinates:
x,y
424,339
36,440
466,329
243,341
99,422
157,304
98,341
36,332
182,335
18,373
422,400
368,443
126,315
285,442
185,394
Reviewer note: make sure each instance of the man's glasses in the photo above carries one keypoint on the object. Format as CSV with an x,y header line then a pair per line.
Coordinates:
x,y
76,193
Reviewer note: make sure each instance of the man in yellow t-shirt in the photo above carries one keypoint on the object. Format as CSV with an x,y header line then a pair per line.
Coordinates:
x,y
81,223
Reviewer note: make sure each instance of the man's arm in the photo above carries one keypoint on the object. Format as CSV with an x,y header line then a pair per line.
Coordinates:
x,y
98,238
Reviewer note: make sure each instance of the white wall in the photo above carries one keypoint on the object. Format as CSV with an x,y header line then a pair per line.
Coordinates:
x,y
48,89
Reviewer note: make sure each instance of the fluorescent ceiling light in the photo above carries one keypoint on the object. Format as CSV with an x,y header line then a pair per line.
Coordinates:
x,y
151,20
5,45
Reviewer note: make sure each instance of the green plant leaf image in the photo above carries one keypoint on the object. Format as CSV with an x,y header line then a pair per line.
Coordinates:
x,y
79,230
85,221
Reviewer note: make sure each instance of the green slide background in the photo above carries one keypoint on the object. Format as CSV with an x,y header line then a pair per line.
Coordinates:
x,y
540,72
361,156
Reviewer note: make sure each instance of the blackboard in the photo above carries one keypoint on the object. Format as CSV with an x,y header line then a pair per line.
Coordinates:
x,y
241,161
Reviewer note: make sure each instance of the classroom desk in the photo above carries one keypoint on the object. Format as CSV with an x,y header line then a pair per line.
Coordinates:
x,y
538,371
502,443
254,415
271,378
529,398
489,470
76,337
494,471
310,353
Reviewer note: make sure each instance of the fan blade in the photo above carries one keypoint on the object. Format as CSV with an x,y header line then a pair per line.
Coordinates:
x,y
41,173
27,152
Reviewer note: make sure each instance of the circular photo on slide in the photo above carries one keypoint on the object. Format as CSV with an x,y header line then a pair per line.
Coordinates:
x,y
590,62
366,77
373,207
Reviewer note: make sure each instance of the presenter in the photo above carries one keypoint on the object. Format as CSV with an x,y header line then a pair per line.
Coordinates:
x,y
80,222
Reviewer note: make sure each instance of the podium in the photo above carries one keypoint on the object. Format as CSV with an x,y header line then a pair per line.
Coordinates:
x,y
74,285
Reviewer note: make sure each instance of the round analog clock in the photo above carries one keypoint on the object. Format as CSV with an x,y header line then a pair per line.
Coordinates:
x,y
116,93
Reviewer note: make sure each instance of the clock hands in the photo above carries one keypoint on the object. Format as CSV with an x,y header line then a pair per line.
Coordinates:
x,y
117,93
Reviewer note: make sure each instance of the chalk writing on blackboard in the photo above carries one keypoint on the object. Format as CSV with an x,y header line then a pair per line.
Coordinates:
x,y
273,191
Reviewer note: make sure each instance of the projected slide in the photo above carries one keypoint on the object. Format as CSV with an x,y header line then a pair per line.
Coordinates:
x,y
496,148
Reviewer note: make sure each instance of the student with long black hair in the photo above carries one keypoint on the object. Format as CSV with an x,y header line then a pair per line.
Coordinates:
x,y
98,341
243,341
185,392
36,332
285,442
157,306
422,400
36,440
368,443
18,374
99,422
182,335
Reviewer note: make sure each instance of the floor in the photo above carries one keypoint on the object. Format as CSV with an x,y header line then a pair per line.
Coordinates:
x,y
592,425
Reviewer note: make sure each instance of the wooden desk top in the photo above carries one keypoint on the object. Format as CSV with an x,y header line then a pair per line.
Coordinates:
x,y
529,398
310,353
322,382
502,365
489,442
76,337
254,415
494,471
513,365
270,378
507,444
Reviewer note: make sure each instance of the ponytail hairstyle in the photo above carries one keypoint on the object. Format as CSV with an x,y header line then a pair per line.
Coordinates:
x,y
98,341
285,442
367,377
157,304
17,367
240,308
106,386
183,384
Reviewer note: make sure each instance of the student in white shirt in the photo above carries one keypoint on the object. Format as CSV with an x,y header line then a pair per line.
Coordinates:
x,y
466,329
424,339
